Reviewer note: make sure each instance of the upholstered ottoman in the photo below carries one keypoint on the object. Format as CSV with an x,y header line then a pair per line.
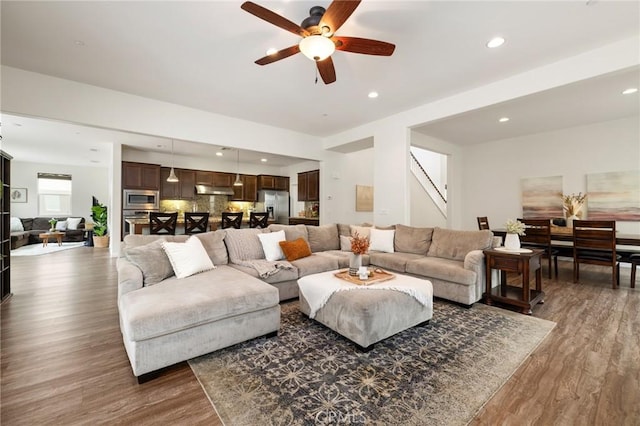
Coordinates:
x,y
366,314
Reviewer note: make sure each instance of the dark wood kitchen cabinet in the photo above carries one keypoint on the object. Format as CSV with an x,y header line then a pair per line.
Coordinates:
x,y
277,183
140,176
184,189
309,186
219,179
248,191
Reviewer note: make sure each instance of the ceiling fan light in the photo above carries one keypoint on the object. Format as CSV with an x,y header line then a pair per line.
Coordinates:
x,y
317,47
172,176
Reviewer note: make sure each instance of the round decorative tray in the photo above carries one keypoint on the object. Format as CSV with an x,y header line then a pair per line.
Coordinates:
x,y
520,250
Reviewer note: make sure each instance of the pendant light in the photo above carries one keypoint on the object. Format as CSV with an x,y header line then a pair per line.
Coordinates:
x,y
238,182
172,174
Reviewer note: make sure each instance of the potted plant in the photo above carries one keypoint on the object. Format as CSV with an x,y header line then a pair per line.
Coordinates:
x,y
99,216
515,228
52,224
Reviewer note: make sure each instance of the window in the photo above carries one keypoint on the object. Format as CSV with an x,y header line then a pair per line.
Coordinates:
x,y
54,194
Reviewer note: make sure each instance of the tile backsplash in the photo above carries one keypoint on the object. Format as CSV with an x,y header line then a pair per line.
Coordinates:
x,y
214,204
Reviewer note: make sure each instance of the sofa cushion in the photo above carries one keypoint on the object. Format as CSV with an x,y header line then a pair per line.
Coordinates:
x,y
152,260
243,244
187,258
291,232
362,231
442,269
381,240
323,237
296,249
342,257
41,223
141,240
345,243
270,245
454,244
314,264
344,229
409,239
16,225
395,261
213,243
27,223
213,295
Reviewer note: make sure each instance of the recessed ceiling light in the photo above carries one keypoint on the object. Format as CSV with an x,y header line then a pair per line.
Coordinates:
x,y
373,95
219,154
272,51
264,160
495,42
504,119
630,90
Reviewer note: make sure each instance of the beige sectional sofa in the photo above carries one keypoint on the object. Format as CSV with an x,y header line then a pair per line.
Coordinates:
x,y
165,320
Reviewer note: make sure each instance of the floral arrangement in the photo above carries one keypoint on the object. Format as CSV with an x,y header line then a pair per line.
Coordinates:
x,y
515,227
52,222
359,245
572,204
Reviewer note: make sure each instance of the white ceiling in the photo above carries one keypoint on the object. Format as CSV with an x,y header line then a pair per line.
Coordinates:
x,y
200,54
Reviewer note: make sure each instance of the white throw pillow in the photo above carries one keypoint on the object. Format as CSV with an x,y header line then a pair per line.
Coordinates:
x,y
61,225
73,222
187,258
345,243
271,245
16,225
381,240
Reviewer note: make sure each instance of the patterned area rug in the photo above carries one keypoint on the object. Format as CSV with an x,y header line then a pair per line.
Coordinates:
x,y
438,374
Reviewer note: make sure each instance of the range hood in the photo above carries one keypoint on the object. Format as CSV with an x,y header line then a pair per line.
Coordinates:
x,y
213,190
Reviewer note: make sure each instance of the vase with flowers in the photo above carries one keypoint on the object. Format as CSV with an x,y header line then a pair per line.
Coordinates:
x,y
359,246
572,206
515,228
52,224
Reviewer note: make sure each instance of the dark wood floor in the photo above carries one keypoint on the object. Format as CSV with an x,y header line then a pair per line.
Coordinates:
x,y
63,361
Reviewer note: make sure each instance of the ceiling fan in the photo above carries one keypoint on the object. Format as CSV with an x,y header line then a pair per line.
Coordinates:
x,y
318,36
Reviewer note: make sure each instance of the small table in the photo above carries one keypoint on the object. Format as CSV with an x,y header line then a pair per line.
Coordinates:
x,y
521,263
46,235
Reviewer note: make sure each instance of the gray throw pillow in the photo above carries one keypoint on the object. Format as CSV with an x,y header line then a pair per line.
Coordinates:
x,y
323,238
243,244
152,261
213,243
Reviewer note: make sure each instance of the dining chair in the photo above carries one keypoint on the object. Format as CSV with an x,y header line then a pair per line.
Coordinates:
x,y
635,262
196,223
537,235
162,223
258,219
483,222
231,220
594,242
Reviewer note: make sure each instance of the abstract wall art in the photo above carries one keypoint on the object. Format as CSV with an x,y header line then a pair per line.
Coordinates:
x,y
542,197
614,196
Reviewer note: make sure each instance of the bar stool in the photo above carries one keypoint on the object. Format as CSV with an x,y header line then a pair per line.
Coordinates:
x,y
258,220
195,223
231,220
162,223
635,261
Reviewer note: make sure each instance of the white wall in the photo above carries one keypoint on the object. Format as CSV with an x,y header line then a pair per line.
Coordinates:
x,y
424,212
492,171
85,182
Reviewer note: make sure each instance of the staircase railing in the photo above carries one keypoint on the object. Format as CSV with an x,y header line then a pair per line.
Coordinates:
x,y
427,183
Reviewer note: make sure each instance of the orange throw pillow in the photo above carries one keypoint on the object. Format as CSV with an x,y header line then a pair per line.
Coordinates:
x,y
296,249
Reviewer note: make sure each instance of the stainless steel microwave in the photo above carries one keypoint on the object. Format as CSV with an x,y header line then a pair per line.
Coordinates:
x,y
140,199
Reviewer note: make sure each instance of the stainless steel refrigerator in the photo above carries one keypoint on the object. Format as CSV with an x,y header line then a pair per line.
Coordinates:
x,y
276,203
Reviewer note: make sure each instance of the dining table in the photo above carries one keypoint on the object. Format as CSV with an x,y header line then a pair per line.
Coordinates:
x,y
562,240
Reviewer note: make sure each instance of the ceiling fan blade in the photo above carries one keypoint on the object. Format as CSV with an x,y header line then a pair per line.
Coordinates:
x,y
281,54
364,46
337,13
273,18
327,70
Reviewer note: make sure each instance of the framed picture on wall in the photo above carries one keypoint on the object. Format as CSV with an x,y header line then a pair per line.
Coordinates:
x,y
18,195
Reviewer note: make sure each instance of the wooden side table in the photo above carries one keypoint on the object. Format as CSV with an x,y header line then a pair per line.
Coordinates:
x,y
521,263
46,235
